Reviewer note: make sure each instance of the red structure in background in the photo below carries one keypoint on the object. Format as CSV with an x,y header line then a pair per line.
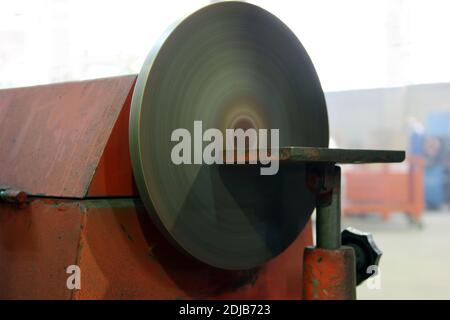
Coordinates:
x,y
385,189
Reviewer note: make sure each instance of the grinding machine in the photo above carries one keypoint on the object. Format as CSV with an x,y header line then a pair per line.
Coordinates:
x,y
87,180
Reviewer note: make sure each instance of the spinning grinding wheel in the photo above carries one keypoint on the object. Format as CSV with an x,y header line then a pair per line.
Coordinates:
x,y
230,65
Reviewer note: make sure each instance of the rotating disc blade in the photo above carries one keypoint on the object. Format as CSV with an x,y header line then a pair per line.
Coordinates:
x,y
229,65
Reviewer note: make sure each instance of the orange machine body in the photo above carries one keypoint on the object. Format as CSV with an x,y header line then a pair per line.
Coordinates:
x,y
66,145
329,274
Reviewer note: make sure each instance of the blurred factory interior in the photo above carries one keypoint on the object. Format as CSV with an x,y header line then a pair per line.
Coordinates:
x,y
384,66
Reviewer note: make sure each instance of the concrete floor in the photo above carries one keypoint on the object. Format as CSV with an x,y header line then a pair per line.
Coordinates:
x,y
415,262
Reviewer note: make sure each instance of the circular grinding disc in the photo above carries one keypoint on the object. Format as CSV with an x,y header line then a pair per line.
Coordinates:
x,y
229,65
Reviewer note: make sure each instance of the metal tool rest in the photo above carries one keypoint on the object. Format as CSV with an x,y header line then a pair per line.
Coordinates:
x,y
339,261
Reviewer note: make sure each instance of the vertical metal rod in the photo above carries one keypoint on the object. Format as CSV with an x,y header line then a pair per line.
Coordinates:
x,y
328,214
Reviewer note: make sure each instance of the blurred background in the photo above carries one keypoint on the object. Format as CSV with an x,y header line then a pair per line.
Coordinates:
x,y
385,69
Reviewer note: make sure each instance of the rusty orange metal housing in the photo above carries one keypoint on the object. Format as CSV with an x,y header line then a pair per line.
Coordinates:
x,y
66,145
329,274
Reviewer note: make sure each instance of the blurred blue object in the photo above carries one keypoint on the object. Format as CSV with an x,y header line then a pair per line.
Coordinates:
x,y
434,191
437,176
438,124
416,133
416,141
